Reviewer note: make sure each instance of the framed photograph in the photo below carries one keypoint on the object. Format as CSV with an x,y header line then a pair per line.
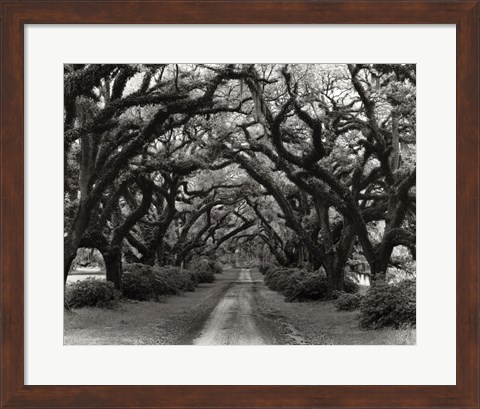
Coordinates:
x,y
231,190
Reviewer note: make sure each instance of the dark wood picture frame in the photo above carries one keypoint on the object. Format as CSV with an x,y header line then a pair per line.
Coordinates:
x,y
15,14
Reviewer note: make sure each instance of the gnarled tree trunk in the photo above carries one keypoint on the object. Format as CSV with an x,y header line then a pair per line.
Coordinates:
x,y
113,265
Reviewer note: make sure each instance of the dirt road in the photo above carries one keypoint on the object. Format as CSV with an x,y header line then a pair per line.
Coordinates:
x,y
235,319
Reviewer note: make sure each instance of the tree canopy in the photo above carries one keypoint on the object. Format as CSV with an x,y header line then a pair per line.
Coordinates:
x,y
300,164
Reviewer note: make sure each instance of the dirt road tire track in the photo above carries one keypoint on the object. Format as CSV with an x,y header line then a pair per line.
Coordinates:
x,y
235,320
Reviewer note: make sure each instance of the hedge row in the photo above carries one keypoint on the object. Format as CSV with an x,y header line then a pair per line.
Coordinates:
x,y
298,284
140,282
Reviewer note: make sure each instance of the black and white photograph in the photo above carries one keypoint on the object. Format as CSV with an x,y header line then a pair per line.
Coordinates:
x,y
239,204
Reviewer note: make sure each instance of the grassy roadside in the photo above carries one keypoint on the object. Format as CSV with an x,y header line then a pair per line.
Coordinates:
x,y
146,323
319,323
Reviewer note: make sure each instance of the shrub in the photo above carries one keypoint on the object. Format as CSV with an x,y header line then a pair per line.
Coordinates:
x,y
278,279
348,302
391,305
138,269
297,284
267,267
174,280
205,264
217,268
166,281
306,286
204,276
189,280
204,269
137,287
192,275
142,282
91,292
